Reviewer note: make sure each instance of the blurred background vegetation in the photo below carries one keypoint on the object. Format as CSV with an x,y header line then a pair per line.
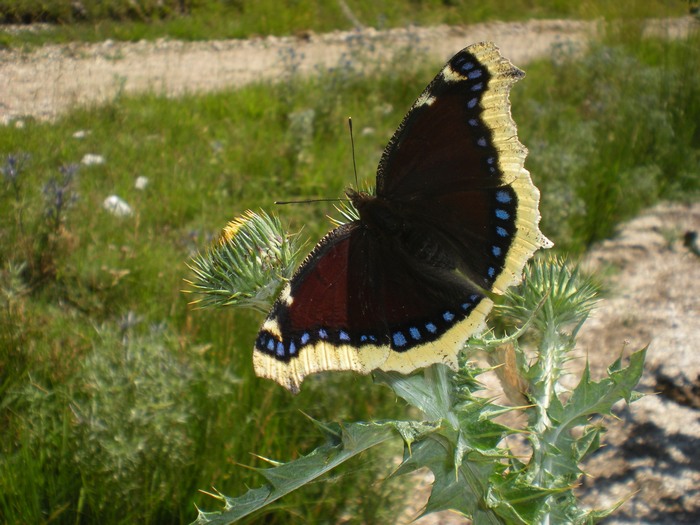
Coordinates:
x,y
118,402
91,20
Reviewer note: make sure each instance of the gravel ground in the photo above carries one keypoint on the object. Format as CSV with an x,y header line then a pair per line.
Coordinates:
x,y
50,80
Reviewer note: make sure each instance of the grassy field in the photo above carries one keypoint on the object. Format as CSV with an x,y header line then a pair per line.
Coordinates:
x,y
118,402
93,20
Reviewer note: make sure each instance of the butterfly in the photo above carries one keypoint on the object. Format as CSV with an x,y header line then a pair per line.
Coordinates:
x,y
452,221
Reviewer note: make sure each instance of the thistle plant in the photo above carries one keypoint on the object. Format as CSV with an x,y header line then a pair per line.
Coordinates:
x,y
458,437
247,265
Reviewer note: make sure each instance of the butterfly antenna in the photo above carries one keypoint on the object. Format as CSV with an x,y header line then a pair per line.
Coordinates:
x,y
352,145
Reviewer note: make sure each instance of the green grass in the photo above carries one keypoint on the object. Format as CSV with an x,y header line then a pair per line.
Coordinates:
x,y
207,19
118,402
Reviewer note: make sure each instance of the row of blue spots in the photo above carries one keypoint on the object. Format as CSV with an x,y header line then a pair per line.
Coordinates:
x,y
468,69
277,347
273,345
400,340
491,161
503,197
468,304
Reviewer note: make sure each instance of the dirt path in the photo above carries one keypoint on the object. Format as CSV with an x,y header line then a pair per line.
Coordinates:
x,y
48,81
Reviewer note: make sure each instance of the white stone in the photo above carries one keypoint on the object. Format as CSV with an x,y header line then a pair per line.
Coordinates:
x,y
91,159
141,182
117,206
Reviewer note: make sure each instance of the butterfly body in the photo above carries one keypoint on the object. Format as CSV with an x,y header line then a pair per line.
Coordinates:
x,y
453,220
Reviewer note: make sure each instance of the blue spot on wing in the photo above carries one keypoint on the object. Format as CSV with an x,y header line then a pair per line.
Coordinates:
x,y
430,327
473,102
399,339
496,250
502,214
322,333
503,197
448,316
305,338
415,333
501,232
474,74
343,336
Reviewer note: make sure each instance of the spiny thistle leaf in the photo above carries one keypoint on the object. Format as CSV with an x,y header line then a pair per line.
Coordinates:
x,y
281,480
431,391
247,265
591,397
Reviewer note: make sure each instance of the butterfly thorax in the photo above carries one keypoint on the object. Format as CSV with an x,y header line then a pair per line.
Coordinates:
x,y
376,213
385,220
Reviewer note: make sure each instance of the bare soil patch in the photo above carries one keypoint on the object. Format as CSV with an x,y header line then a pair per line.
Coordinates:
x,y
50,80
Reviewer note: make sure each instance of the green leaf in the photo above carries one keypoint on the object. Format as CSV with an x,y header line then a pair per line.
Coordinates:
x,y
430,391
346,441
460,489
591,397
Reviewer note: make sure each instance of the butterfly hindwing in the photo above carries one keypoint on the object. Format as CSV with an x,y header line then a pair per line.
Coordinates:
x,y
455,218
349,308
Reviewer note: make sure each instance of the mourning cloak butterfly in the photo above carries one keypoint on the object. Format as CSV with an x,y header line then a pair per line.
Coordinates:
x,y
454,219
